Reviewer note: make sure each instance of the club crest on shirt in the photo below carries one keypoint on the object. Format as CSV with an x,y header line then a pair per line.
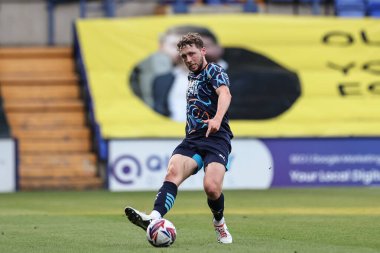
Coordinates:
x,y
192,89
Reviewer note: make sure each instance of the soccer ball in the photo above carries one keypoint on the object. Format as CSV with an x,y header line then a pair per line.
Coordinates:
x,y
161,233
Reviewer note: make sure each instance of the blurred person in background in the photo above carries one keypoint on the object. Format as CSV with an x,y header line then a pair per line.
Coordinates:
x,y
160,62
263,89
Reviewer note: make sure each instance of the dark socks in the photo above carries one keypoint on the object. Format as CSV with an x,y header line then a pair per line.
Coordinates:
x,y
165,198
217,207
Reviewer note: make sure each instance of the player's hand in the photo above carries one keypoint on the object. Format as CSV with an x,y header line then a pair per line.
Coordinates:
x,y
213,125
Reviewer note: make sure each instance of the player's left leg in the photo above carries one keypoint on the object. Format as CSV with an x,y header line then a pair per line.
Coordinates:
x,y
212,183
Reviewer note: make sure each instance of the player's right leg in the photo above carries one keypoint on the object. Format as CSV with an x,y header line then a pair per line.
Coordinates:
x,y
138,218
180,167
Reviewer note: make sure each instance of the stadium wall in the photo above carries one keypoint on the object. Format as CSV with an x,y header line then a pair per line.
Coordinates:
x,y
25,22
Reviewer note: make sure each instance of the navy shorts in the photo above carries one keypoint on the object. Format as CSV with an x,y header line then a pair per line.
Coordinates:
x,y
205,150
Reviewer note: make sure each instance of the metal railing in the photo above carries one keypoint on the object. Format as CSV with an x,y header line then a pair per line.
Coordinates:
x,y
107,7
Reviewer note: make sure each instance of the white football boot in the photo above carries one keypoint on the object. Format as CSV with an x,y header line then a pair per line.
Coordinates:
x,y
221,230
138,218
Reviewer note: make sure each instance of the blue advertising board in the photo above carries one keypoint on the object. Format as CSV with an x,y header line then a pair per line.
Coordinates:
x,y
325,161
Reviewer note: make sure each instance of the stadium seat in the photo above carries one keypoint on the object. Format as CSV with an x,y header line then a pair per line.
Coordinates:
x,y
180,6
373,8
314,4
350,8
250,6
174,1
213,2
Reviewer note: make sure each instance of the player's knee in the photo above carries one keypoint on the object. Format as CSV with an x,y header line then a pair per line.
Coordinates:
x,y
213,190
172,174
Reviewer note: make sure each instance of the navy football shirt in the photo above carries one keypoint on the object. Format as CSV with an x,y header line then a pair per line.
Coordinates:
x,y
202,99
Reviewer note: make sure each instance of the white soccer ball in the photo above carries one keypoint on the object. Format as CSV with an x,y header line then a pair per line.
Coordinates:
x,y
161,233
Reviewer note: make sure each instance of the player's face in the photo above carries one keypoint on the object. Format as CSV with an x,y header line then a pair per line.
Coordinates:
x,y
193,57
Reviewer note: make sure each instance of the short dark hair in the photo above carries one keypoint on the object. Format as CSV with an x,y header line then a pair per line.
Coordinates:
x,y
190,39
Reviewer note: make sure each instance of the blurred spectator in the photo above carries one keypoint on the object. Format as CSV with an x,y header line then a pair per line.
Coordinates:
x,y
260,87
156,64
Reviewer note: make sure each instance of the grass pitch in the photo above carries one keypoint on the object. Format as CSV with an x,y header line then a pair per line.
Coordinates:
x,y
324,220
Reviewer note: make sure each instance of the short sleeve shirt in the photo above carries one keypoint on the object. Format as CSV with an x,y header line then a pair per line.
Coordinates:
x,y
202,99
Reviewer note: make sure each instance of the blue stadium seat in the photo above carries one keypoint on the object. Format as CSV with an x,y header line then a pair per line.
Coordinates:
x,y
373,7
314,4
175,1
222,1
180,6
211,2
350,8
250,6
232,1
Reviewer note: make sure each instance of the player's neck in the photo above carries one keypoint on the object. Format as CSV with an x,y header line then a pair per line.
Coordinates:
x,y
201,69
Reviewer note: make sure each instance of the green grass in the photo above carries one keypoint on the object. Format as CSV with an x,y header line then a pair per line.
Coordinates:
x,y
340,220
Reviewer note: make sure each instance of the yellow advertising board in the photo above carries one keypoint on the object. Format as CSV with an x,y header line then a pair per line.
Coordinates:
x,y
307,76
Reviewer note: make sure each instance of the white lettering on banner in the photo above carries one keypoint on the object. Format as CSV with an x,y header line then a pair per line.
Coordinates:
x,y
366,177
334,176
303,176
333,159
141,165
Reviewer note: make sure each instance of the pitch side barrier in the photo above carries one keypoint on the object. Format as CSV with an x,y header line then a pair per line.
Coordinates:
x,y
8,165
306,90
136,164
8,156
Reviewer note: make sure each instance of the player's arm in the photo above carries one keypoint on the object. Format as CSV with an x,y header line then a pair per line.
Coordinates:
x,y
224,100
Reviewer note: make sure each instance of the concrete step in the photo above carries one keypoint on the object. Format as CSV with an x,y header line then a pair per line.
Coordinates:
x,y
32,146
36,65
63,160
55,172
46,119
58,160
43,105
61,78
40,92
36,52
63,183
51,133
